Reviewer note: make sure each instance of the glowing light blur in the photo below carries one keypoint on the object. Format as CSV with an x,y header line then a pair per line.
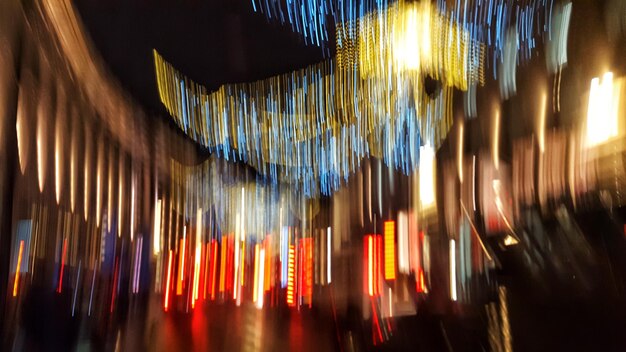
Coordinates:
x,y
166,302
17,268
452,264
602,112
156,231
390,250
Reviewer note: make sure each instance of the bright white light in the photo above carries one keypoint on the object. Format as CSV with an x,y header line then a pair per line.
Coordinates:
x,y
496,140
261,284
328,256
510,241
406,41
199,227
156,235
453,270
602,122
403,243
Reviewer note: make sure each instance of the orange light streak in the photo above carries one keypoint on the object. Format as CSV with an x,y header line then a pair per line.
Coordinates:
x,y
268,261
167,282
17,269
181,266
390,250
290,276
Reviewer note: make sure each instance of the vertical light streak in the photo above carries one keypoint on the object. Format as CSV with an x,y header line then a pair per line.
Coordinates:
x,y
403,243
261,293
181,265
267,245
139,265
99,171
133,195
23,142
87,186
378,245
198,256
496,140
73,171
541,129
284,256
58,181
199,228
243,244
328,256
41,162
453,270
76,287
156,234
308,269
460,151
115,285
167,282
291,276
196,276
370,265
474,182
255,286
17,268
214,270
237,241
390,250
93,283
207,269
223,264
110,191
120,198
60,287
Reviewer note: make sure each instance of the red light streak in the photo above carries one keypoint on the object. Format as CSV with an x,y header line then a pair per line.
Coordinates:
x,y
214,270
375,319
370,265
206,269
378,245
421,287
114,290
17,269
167,282
62,266
308,268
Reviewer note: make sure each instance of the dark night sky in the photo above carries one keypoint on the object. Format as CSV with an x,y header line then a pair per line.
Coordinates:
x,y
211,41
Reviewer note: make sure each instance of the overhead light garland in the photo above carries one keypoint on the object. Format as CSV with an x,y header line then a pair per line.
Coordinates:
x,y
486,21
312,127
